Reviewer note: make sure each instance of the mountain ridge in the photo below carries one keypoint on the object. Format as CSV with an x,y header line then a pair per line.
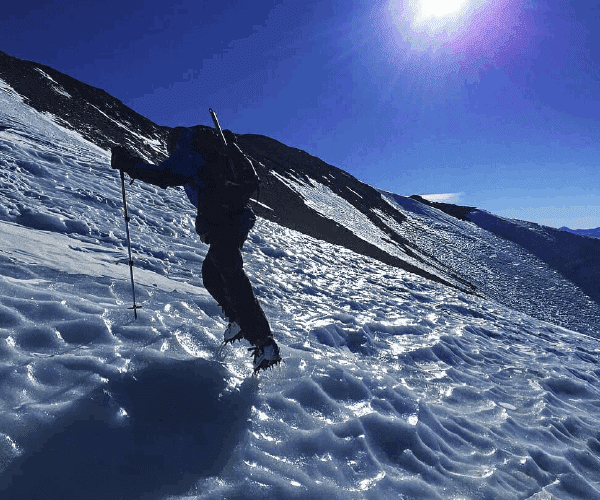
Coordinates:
x,y
438,241
592,232
106,121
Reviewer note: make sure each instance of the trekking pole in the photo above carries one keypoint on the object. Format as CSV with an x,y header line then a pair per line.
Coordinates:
x,y
135,307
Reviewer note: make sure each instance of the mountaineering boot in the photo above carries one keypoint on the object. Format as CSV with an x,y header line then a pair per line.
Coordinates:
x,y
265,355
232,333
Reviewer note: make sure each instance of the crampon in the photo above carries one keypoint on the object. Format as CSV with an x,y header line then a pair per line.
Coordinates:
x,y
232,333
265,356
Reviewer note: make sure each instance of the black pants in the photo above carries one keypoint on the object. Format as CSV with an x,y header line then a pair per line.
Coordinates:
x,y
224,278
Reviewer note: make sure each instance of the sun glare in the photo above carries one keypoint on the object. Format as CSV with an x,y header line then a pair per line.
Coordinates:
x,y
439,8
439,26
434,15
462,33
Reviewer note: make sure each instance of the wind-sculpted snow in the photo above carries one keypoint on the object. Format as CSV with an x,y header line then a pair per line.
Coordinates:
x,y
327,204
501,268
321,199
393,386
306,194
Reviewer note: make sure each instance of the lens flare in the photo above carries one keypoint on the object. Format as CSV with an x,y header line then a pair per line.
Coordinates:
x,y
439,8
474,34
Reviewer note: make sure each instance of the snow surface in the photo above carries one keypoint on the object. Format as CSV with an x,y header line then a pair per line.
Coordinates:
x,y
501,269
392,386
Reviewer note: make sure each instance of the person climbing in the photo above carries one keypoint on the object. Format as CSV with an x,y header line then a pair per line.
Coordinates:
x,y
218,179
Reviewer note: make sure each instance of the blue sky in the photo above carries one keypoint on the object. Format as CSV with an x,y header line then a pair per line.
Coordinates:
x,y
494,104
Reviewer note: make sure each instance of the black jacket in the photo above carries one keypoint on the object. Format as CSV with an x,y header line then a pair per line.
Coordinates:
x,y
199,163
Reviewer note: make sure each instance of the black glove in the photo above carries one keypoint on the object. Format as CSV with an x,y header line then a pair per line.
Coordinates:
x,y
123,159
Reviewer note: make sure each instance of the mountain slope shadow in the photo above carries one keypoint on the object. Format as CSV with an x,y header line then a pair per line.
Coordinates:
x,y
181,424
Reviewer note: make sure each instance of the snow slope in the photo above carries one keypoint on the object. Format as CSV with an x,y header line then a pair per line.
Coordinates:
x,y
393,386
538,270
594,233
558,283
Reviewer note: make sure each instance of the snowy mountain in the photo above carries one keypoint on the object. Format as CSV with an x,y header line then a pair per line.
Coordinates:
x,y
540,270
594,233
426,346
288,174
303,193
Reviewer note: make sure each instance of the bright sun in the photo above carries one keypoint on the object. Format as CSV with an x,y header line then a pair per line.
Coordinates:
x,y
429,24
439,8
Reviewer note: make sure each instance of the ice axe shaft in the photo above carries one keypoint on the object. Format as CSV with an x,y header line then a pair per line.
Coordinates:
x,y
135,307
217,126
223,140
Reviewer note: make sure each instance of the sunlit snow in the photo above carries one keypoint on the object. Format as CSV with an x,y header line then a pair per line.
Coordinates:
x,y
392,386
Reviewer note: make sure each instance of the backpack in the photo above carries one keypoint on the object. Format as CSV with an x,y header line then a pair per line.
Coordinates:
x,y
229,177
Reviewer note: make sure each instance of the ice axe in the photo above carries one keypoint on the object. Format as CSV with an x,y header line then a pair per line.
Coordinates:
x,y
226,146
223,140
217,126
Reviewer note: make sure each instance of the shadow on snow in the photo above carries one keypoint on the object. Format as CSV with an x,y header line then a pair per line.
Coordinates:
x,y
181,425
